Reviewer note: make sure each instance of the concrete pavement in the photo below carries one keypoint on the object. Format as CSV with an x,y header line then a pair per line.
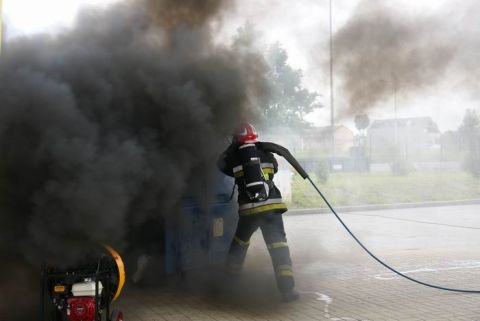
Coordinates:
x,y
337,279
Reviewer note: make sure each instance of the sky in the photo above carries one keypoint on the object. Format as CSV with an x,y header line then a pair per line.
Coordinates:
x,y
33,16
302,27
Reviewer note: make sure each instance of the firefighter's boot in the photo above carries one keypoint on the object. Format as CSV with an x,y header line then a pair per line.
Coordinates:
x,y
290,296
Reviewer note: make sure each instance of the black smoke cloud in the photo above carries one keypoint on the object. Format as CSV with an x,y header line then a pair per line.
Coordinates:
x,y
107,125
194,13
381,51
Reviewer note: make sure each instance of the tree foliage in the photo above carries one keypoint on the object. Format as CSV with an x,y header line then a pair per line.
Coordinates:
x,y
471,119
289,100
362,122
470,131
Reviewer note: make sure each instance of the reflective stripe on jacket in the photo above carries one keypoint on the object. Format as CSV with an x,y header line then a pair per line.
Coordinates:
x,y
229,163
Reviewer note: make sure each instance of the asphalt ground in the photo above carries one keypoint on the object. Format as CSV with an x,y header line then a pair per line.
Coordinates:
x,y
337,280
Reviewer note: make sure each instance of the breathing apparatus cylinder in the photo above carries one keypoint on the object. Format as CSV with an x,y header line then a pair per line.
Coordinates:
x,y
256,186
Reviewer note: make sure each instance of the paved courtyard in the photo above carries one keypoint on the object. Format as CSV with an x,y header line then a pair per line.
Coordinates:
x,y
338,281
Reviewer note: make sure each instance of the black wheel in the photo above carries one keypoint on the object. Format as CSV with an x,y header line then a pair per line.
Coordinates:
x,y
116,315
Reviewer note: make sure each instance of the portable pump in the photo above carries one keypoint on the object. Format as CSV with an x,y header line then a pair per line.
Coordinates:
x,y
84,292
256,185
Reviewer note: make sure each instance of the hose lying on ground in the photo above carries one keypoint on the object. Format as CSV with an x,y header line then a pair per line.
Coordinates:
x,y
280,150
375,257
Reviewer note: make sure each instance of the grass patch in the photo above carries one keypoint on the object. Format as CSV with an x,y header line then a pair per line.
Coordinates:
x,y
346,189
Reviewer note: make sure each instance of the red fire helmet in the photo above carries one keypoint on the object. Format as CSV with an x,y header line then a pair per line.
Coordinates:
x,y
245,133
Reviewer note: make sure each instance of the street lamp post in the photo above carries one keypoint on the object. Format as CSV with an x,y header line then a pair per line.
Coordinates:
x,y
1,26
395,109
332,111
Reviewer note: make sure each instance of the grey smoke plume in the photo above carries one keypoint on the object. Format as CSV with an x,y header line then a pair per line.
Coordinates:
x,y
111,123
379,53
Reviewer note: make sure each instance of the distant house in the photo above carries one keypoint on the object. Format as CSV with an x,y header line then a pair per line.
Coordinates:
x,y
321,138
412,138
311,139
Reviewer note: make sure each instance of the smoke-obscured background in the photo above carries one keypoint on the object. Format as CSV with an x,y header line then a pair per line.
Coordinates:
x,y
107,122
427,43
395,35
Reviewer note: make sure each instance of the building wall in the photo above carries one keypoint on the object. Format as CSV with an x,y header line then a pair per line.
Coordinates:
x,y
343,140
412,142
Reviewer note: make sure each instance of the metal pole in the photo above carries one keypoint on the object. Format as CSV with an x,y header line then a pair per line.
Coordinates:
x,y
1,26
332,111
395,111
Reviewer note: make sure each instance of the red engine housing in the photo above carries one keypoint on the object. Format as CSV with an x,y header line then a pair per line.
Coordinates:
x,y
81,309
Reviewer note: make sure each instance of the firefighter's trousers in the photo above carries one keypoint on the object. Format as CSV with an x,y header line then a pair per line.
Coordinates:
x,y
273,232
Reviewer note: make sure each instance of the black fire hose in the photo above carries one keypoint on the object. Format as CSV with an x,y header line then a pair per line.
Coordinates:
x,y
376,258
282,151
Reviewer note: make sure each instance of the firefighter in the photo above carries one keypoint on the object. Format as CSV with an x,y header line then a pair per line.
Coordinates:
x,y
253,166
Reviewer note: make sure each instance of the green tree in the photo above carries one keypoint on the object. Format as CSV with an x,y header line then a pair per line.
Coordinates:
x,y
289,101
470,132
362,122
359,151
471,121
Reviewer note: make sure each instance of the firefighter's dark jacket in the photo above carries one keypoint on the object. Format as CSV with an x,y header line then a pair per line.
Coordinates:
x,y
229,163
